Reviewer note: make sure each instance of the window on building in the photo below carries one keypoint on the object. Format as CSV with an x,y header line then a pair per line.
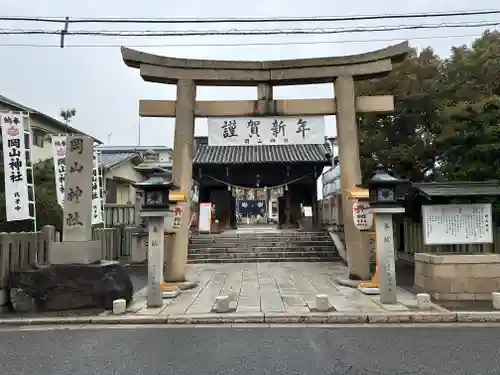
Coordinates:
x,y
110,191
38,138
123,194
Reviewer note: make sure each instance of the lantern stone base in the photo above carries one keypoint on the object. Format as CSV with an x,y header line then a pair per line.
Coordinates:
x,y
75,252
455,276
139,252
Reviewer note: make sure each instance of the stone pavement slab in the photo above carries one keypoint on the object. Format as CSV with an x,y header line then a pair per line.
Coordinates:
x,y
288,288
269,293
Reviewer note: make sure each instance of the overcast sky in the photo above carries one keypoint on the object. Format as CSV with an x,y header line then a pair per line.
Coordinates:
x,y
105,92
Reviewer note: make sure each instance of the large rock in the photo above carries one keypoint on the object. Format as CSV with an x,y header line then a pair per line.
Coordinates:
x,y
69,286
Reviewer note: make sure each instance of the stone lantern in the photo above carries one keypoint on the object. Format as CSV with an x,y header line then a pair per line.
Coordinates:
x,y
156,206
384,203
383,189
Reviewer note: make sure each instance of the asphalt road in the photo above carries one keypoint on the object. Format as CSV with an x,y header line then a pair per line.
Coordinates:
x,y
252,351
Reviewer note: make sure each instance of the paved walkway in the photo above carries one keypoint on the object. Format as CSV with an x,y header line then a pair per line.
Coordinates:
x,y
270,288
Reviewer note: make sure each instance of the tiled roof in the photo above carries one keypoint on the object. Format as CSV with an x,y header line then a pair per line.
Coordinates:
x,y
64,127
458,188
106,148
261,154
165,165
110,160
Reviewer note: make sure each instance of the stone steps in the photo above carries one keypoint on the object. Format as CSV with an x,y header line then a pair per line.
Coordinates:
x,y
286,246
195,240
264,260
246,245
272,254
258,238
233,233
260,249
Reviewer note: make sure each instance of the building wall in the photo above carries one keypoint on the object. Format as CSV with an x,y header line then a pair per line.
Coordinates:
x,y
164,155
125,192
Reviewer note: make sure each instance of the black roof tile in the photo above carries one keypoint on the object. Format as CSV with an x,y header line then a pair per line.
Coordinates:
x,y
262,154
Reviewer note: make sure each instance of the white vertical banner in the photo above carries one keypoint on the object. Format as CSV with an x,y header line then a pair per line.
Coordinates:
x,y
97,203
59,153
14,157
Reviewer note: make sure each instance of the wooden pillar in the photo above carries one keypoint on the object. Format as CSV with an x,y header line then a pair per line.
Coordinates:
x,y
182,175
358,257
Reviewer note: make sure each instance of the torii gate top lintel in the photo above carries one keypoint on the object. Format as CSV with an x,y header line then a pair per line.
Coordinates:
x,y
162,69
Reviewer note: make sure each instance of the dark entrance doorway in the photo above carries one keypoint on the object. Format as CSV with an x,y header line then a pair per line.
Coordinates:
x,y
259,185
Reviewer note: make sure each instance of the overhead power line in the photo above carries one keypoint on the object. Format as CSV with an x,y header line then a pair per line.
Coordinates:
x,y
253,44
250,32
66,20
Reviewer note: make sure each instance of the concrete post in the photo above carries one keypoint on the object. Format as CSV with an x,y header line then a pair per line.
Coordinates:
x,y
182,174
155,261
350,175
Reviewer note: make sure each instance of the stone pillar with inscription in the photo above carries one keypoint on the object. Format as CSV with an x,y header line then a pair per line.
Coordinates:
x,y
385,253
155,261
77,245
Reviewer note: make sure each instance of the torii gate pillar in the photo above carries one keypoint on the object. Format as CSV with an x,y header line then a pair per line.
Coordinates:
x,y
358,256
182,174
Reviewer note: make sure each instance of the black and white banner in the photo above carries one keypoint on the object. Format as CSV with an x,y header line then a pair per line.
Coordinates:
x,y
17,202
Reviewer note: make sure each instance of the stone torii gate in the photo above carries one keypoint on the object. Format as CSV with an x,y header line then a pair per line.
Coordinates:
x,y
342,71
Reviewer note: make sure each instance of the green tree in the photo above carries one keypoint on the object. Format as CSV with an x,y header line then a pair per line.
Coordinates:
x,y
404,141
473,73
468,136
48,211
471,140
67,115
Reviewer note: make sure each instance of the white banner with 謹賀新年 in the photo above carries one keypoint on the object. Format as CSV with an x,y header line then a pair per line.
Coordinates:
x,y
252,131
14,158
59,153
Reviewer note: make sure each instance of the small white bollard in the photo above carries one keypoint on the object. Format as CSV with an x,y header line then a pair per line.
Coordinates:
x,y
119,306
222,304
495,297
232,297
424,301
322,303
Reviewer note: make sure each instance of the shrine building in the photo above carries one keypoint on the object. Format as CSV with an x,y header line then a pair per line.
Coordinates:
x,y
260,184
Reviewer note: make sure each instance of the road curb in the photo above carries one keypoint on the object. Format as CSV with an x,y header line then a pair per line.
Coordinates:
x,y
270,318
